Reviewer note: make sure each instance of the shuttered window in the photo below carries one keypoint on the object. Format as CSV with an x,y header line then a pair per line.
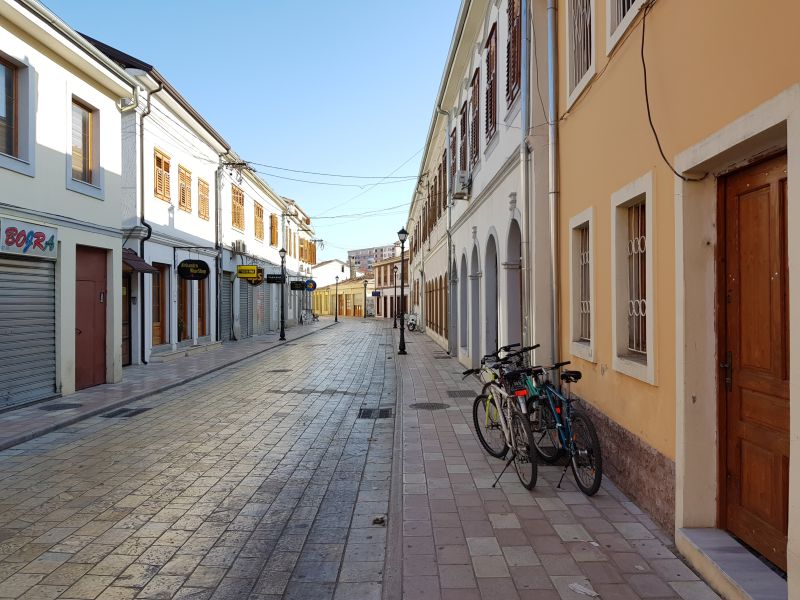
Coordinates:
x,y
443,180
513,51
161,176
273,230
184,189
464,136
237,212
491,83
453,154
202,199
258,216
474,107
8,109
82,118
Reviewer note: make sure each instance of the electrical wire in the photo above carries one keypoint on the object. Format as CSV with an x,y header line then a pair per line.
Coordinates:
x,y
369,212
331,174
356,185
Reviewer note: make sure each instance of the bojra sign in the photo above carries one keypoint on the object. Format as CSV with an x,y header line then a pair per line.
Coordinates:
x,y
28,239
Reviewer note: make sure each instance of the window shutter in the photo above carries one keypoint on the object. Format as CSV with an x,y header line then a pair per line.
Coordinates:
x,y
475,108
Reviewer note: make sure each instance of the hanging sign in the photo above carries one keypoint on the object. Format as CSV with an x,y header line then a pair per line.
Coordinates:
x,y
247,271
27,239
297,285
274,278
258,279
193,269
376,293
311,285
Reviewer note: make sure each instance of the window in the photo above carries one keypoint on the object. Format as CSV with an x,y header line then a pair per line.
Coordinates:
x,y
161,176
513,51
82,152
474,107
184,189
633,279
273,230
620,14
463,153
582,322
258,216
237,212
202,199
8,109
453,155
443,180
491,83
580,43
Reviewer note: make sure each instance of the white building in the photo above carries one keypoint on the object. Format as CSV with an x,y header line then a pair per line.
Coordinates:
x,y
60,205
364,258
326,272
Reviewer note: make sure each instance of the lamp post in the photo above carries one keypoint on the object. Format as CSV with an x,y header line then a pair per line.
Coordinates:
x,y
336,318
402,235
365,300
282,252
394,299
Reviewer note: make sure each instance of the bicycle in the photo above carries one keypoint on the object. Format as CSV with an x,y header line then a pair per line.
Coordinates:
x,y
559,428
500,414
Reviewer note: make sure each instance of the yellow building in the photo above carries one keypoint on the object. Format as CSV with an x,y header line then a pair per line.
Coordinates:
x,y
352,294
675,288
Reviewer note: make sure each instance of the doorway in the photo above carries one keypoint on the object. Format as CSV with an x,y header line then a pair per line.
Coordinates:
x,y
184,309
126,318
754,351
90,317
160,288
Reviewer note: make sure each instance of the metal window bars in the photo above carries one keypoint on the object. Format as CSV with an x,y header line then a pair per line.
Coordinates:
x,y
620,10
637,279
585,306
580,40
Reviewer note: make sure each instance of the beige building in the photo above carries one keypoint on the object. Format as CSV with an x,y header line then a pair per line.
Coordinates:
x,y
387,284
352,294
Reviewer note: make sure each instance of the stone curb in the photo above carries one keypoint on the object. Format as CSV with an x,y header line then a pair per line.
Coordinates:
x,y
30,435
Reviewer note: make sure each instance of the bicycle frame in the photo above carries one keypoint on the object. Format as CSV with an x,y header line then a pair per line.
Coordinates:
x,y
503,407
563,417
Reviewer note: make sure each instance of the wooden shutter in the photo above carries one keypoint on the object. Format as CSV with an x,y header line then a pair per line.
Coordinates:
x,y
258,214
273,229
464,138
513,51
491,83
161,175
237,212
474,139
202,199
184,189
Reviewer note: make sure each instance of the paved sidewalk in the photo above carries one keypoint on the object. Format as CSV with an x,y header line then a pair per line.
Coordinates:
x,y
138,381
461,539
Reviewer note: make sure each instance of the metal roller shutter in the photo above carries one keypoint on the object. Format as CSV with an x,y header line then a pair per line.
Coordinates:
x,y
260,306
28,331
227,293
245,308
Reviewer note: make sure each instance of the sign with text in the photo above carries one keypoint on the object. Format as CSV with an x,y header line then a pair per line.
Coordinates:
x,y
27,239
247,271
297,285
274,278
258,279
376,293
193,269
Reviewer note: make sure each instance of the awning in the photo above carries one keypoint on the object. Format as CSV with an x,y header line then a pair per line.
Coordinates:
x,y
130,258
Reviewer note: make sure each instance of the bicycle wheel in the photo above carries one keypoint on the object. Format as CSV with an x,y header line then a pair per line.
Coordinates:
x,y
545,435
524,456
587,459
487,426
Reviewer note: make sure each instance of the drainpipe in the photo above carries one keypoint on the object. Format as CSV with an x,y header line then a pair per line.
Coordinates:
x,y
218,244
528,203
552,99
145,112
449,274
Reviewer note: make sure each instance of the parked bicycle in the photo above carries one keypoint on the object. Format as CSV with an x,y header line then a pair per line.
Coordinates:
x,y
500,414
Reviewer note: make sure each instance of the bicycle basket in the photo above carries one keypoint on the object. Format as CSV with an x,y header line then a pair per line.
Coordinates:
x,y
487,376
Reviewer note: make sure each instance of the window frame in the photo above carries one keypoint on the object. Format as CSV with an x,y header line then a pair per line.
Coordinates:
x,y
87,153
490,95
15,83
273,230
166,192
578,346
513,51
640,367
463,118
23,161
258,220
184,187
613,36
474,119
93,188
581,84
234,210
203,200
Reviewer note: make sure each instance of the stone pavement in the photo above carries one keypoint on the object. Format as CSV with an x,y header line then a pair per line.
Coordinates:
x,y
138,381
460,539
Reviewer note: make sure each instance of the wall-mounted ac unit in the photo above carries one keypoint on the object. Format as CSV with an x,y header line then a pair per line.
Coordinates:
x,y
239,247
462,185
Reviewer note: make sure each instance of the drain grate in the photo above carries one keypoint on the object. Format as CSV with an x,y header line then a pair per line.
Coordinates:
x,y
429,406
60,406
375,413
124,413
461,394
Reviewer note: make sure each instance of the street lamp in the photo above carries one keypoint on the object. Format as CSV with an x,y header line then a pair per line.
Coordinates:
x,y
282,252
402,235
365,300
394,312
336,318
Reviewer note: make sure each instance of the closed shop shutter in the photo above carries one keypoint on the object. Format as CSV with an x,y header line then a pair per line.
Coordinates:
x,y
28,331
245,308
260,309
227,292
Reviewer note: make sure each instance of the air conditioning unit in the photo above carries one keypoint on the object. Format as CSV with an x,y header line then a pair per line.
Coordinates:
x,y
239,247
462,185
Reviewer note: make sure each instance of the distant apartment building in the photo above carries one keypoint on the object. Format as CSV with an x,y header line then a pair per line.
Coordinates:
x,y
365,258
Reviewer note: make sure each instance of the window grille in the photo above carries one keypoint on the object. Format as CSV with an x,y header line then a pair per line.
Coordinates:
x,y
202,199
259,220
474,140
491,83
584,262
184,189
513,51
237,212
161,176
619,10
464,134
580,40
637,279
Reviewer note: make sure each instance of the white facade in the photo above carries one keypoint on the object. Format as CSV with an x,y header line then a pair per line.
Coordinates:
x,y
54,71
325,273
364,258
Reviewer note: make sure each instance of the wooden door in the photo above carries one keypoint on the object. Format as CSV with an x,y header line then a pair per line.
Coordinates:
x,y
90,317
126,318
159,304
755,342
184,309
202,299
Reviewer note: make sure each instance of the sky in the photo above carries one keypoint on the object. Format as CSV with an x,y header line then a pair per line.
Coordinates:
x,y
345,88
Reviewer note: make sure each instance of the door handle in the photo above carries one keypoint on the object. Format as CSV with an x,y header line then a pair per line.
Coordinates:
x,y
728,366
78,331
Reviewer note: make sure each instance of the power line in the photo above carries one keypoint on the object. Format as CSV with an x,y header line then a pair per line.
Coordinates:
x,y
356,185
331,174
369,212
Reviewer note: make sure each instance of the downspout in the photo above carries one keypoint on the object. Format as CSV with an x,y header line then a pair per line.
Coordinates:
x,y
218,244
552,118
449,274
145,112
527,284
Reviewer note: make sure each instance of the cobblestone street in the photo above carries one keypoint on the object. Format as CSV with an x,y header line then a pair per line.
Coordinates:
x,y
265,480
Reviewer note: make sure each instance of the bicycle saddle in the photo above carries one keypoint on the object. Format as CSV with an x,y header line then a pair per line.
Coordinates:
x,y
570,376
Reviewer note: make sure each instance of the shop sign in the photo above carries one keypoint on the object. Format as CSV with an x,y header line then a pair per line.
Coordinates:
x,y
27,239
258,279
311,285
274,278
247,271
297,285
376,293
193,269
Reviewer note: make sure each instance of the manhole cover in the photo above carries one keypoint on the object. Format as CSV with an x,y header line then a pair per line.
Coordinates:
x,y
429,406
124,413
461,394
60,406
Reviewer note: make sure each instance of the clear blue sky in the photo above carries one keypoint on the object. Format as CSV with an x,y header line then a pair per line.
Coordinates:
x,y
339,87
